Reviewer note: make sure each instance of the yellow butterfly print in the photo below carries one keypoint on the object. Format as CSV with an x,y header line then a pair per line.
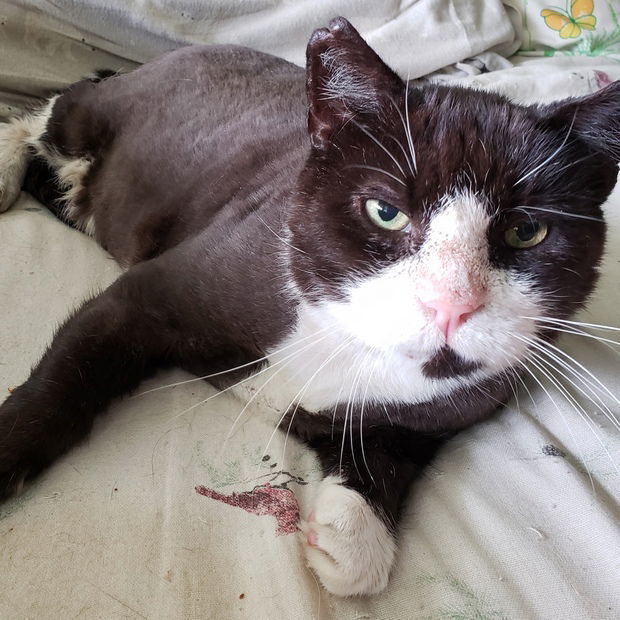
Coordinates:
x,y
570,24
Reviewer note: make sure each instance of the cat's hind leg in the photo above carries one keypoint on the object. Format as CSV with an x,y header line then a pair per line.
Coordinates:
x,y
20,140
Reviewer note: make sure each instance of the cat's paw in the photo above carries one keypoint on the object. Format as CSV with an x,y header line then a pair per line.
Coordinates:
x,y
13,164
346,544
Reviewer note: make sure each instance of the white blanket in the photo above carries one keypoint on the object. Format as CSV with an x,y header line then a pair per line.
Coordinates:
x,y
518,518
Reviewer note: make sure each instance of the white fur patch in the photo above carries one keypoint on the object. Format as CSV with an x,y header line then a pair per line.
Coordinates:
x,y
70,174
20,134
15,138
354,550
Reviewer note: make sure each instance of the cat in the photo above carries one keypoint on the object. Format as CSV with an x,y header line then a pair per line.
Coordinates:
x,y
387,254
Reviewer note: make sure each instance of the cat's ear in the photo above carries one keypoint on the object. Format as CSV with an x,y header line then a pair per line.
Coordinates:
x,y
595,119
345,78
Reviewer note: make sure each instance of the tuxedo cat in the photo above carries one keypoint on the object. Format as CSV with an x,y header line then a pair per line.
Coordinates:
x,y
375,258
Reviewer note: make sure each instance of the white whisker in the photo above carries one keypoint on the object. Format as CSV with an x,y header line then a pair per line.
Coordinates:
x,y
562,416
377,170
410,162
548,159
526,208
579,323
240,367
252,376
284,241
370,376
298,396
591,386
409,138
599,403
362,128
579,409
582,367
349,412
402,148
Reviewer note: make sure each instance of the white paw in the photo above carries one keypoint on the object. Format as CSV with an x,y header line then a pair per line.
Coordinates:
x,y
13,163
346,544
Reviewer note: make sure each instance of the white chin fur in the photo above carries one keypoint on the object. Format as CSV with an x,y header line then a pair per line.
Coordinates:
x,y
354,550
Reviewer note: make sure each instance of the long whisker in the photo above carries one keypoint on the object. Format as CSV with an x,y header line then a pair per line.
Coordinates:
x,y
241,366
410,162
352,403
562,416
402,148
378,143
377,170
346,415
579,323
284,241
557,212
543,346
370,376
409,138
260,372
599,403
299,395
548,159
579,409
582,367
248,403
573,331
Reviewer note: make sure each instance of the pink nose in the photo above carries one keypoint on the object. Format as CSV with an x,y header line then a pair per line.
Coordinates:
x,y
450,316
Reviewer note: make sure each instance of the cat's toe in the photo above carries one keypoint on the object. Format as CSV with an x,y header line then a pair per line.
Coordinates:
x,y
346,544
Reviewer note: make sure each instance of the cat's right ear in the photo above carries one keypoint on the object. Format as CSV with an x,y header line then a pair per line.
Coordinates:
x,y
345,78
595,119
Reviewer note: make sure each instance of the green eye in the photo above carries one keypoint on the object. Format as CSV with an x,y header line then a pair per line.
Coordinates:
x,y
386,216
526,234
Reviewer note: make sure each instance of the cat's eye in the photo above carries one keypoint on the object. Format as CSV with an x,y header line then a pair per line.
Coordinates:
x,y
526,234
385,215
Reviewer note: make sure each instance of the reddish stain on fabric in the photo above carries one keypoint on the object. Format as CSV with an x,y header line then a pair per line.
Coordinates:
x,y
264,500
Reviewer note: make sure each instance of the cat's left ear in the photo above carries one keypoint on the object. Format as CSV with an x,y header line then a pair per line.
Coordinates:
x,y
345,78
595,119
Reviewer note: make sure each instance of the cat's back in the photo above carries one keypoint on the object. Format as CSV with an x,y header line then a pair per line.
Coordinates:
x,y
186,138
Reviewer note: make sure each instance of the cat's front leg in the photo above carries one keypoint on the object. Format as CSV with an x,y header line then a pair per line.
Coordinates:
x,y
350,535
103,351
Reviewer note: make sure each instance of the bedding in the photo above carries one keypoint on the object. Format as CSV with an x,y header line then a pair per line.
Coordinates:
x,y
154,516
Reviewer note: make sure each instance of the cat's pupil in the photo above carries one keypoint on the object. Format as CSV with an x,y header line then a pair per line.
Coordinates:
x,y
386,211
527,231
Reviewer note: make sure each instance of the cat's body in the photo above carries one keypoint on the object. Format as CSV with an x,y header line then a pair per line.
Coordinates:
x,y
245,242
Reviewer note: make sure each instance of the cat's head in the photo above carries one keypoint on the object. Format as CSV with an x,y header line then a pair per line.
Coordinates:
x,y
442,224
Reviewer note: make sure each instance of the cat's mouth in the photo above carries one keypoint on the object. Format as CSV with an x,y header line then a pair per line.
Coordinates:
x,y
448,363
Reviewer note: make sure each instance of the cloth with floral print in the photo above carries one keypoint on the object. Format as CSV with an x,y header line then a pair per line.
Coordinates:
x,y
567,27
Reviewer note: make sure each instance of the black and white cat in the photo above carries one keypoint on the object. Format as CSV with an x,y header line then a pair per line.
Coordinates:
x,y
374,255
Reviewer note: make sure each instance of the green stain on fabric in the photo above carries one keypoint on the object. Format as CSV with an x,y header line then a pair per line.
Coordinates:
x,y
468,603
